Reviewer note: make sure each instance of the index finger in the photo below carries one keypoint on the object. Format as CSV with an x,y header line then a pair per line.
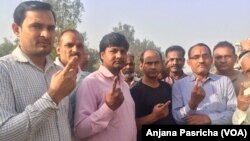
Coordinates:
x,y
241,91
114,84
71,64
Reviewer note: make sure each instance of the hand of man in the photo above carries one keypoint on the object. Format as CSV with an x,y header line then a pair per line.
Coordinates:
x,y
197,119
197,95
243,100
161,110
114,98
64,81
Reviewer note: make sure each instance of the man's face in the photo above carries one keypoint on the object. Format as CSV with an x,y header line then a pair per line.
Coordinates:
x,y
245,66
174,61
113,58
71,44
37,33
200,60
224,59
151,65
129,67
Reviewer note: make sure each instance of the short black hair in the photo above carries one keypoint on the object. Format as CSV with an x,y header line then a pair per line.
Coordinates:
x,y
113,39
199,44
22,8
151,49
224,44
175,48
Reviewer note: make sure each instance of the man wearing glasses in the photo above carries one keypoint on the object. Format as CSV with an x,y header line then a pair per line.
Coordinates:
x,y
203,98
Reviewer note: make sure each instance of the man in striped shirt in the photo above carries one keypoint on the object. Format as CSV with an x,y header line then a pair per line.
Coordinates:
x,y
33,90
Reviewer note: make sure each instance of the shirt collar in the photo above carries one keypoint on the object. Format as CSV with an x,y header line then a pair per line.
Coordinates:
x,y
210,77
20,56
105,72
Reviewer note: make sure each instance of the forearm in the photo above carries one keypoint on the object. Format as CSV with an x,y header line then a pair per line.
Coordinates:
x,y
145,120
16,127
88,125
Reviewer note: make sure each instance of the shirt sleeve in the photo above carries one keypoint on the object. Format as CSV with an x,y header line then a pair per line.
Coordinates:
x,y
90,118
179,109
18,126
239,116
229,98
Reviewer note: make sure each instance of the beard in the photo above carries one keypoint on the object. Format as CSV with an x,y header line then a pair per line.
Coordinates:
x,y
129,76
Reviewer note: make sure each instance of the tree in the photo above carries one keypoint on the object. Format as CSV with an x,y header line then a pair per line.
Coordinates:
x,y
7,46
94,62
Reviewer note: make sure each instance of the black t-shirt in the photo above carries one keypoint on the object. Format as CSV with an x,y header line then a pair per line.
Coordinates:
x,y
146,97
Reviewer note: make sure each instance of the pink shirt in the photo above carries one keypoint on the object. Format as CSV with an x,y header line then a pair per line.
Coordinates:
x,y
94,120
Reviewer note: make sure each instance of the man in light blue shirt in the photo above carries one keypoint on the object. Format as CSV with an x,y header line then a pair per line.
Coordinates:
x,y
203,98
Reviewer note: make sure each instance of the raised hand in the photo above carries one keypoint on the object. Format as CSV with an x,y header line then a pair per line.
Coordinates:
x,y
161,110
114,98
64,81
197,95
243,100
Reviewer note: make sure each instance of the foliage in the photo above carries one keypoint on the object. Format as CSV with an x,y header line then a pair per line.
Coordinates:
x,y
7,47
94,62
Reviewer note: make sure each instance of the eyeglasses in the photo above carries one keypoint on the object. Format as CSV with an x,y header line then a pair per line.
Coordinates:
x,y
204,56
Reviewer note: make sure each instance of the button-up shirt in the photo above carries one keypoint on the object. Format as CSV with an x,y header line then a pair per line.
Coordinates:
x,y
218,104
27,112
94,120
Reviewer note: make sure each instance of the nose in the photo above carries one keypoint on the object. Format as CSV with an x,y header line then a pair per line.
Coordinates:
x,y
45,33
201,59
118,54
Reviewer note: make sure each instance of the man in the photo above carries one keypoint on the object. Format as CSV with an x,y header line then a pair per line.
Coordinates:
x,y
174,62
32,103
224,60
129,71
203,98
242,112
152,96
70,44
104,107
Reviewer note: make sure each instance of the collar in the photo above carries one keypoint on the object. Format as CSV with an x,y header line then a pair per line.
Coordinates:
x,y
20,56
210,77
106,73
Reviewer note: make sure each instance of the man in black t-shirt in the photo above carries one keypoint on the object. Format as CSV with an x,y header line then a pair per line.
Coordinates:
x,y
152,97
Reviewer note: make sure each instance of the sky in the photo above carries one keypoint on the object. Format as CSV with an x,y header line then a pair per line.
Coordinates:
x,y
165,22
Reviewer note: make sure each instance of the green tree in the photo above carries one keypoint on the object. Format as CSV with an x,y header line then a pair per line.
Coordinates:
x,y
7,46
94,61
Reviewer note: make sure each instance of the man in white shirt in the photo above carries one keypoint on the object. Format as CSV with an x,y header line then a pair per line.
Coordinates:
x,y
242,112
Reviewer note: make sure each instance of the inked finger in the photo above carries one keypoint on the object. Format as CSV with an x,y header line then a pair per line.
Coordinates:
x,y
114,84
72,64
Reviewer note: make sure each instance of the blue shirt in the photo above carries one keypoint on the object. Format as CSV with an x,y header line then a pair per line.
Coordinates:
x,y
218,104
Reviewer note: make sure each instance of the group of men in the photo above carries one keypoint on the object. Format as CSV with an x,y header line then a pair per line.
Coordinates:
x,y
42,99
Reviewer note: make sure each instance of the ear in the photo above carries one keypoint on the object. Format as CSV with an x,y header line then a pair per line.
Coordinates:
x,y
102,55
141,66
188,62
57,50
16,29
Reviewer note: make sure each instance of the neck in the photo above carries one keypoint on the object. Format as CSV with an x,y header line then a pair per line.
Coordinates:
x,y
227,72
154,83
202,77
176,75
